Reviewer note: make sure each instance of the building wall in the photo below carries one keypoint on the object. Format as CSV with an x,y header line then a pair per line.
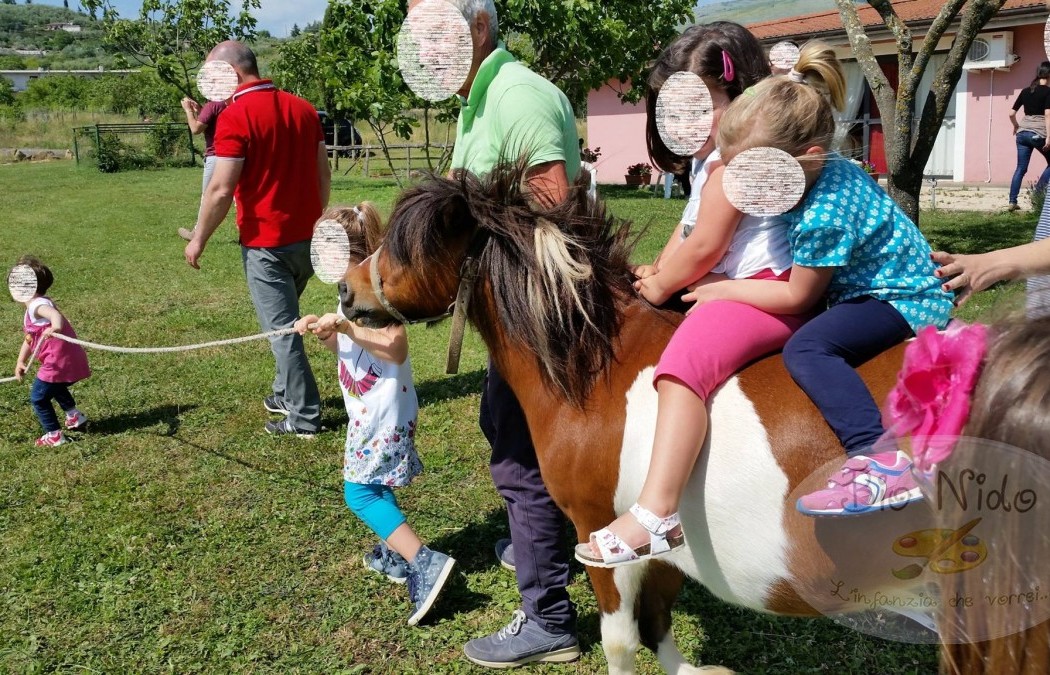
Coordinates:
x,y
990,153
619,130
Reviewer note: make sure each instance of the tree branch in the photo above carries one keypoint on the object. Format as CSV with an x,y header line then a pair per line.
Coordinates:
x,y
861,45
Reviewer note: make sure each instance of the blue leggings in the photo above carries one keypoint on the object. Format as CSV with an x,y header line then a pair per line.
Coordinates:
x,y
376,506
822,355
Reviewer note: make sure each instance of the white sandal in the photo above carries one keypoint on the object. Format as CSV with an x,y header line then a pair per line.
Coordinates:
x,y
614,552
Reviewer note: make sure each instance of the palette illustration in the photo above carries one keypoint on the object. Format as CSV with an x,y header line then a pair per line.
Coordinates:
x,y
946,551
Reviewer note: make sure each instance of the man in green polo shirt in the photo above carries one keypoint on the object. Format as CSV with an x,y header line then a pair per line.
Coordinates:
x,y
508,113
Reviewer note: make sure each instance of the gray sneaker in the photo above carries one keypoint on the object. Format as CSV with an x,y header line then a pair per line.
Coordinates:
x,y
521,642
388,562
505,554
427,576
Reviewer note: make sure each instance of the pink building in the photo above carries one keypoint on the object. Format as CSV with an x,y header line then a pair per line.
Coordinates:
x,y
976,141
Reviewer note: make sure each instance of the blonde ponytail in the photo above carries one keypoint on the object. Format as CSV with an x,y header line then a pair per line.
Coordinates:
x,y
363,225
790,112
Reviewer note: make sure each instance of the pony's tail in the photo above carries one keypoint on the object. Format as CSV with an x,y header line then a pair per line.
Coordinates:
x,y
1024,653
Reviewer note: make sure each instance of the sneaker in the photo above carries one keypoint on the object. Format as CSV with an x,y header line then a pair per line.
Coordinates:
x,y
388,562
50,439
76,420
1012,207
186,234
275,405
521,642
505,554
865,484
427,575
285,428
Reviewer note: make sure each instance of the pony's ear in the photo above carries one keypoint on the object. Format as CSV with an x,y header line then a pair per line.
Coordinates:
x,y
456,211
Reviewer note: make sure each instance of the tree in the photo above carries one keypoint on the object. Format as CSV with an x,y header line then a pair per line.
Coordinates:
x,y
295,30
65,3
909,144
358,65
582,44
173,37
296,68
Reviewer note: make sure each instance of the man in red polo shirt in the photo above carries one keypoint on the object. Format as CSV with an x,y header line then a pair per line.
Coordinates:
x,y
271,158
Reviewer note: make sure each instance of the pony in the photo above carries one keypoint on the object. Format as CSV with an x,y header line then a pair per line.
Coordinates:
x,y
550,292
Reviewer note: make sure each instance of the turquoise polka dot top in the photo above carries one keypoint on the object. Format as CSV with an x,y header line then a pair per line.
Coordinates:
x,y
848,222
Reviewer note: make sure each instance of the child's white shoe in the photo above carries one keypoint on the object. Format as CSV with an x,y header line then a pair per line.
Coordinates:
x,y
615,552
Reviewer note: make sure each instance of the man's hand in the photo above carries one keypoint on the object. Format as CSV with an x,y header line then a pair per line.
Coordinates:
x,y
193,253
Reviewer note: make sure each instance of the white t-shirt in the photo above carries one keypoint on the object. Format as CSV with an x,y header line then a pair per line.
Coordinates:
x,y
382,406
758,243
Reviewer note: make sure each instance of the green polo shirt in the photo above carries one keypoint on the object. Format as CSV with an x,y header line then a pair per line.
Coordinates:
x,y
510,112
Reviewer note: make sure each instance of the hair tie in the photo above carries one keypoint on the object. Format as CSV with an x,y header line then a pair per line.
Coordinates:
x,y
750,91
357,212
797,76
728,72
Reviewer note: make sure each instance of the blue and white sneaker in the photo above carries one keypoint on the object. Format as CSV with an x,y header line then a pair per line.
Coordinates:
x,y
505,554
427,576
521,642
388,562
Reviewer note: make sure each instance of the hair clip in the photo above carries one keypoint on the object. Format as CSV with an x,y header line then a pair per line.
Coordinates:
x,y
728,72
797,76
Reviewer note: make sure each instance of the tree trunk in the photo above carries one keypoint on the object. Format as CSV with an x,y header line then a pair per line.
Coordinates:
x,y
906,194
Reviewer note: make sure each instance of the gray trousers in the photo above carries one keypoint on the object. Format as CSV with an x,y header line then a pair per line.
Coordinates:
x,y
276,278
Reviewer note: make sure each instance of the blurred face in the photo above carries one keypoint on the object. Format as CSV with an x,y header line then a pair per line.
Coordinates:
x,y
721,101
479,33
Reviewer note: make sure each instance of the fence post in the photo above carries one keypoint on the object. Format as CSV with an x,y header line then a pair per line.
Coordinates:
x,y
76,147
409,174
368,154
98,140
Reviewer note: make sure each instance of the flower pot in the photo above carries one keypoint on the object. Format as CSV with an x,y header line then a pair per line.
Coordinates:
x,y
638,180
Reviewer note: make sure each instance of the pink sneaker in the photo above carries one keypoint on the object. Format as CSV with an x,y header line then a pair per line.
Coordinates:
x,y
76,420
50,439
865,483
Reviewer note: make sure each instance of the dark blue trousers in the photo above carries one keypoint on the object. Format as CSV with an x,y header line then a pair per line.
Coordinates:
x,y
536,523
823,355
41,396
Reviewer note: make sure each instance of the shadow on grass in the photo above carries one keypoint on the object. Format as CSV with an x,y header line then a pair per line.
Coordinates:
x,y
165,414
451,387
965,232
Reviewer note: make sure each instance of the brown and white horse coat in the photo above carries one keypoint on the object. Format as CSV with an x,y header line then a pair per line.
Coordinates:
x,y
745,541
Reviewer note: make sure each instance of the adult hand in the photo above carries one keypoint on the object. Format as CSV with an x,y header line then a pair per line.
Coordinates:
x,y
191,106
193,252
968,274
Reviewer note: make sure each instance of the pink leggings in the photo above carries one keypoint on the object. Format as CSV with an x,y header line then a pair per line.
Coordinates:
x,y
721,337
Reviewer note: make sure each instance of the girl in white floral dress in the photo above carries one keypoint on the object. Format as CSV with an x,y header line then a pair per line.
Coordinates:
x,y
375,375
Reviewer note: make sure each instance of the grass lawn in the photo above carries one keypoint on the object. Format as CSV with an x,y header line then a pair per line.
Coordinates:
x,y
176,536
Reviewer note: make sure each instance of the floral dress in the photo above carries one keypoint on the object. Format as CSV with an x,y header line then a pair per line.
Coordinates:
x,y
382,406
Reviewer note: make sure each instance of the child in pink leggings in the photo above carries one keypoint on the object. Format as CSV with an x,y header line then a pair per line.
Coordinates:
x,y
714,241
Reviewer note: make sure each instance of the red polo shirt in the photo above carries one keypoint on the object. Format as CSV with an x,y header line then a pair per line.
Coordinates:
x,y
276,135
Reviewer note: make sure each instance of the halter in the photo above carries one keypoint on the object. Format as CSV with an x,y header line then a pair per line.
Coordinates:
x,y
468,274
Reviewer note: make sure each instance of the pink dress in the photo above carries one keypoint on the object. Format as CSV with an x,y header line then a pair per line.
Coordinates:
x,y
60,361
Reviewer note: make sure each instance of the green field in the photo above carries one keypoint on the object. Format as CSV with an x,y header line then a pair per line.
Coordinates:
x,y
177,536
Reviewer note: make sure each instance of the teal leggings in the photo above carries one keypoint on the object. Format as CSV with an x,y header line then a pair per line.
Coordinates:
x,y
376,506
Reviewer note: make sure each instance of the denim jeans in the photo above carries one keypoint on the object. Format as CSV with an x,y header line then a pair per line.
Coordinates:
x,y
41,396
1027,141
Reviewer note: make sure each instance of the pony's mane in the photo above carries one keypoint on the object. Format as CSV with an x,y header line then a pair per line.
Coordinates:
x,y
558,274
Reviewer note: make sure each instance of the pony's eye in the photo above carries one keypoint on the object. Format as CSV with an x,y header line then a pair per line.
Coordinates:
x,y
764,182
217,80
684,113
435,50
22,283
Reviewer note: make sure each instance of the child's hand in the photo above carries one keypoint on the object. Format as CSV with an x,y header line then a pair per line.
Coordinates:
x,y
705,290
48,332
644,271
652,290
20,370
303,325
328,324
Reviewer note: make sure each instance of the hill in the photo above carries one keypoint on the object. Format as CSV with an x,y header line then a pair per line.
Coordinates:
x,y
755,11
24,27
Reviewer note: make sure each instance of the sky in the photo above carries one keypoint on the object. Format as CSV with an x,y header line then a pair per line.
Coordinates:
x,y
276,16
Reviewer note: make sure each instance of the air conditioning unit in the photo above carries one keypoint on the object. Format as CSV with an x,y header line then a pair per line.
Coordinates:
x,y
991,50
